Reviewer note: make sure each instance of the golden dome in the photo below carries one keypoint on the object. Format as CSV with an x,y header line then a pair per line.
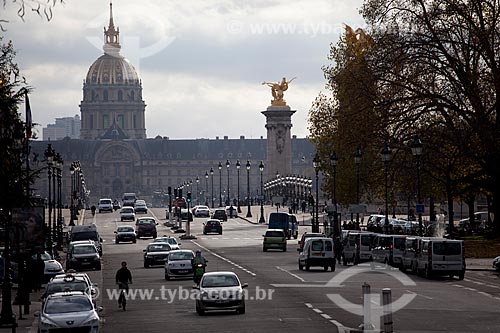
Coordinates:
x,y
112,69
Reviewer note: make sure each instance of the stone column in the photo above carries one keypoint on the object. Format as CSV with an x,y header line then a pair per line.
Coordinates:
x,y
279,145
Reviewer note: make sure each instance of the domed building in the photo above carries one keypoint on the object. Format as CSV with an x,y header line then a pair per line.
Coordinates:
x,y
117,157
112,93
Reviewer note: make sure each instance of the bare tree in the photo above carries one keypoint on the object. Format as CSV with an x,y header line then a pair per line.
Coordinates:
x,y
24,7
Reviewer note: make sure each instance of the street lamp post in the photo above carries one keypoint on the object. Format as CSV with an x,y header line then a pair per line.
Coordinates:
x,y
59,200
238,165
416,150
220,184
206,188
228,195
386,157
315,227
262,219
357,161
334,160
49,157
72,209
212,174
248,165
197,190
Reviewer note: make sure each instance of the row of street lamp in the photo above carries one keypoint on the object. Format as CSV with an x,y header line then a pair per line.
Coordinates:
x,y
228,200
386,154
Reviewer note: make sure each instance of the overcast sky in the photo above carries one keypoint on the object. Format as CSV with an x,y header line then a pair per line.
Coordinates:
x,y
201,62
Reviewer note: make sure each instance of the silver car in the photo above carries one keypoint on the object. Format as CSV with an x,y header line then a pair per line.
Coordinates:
x,y
220,291
174,245
178,264
69,310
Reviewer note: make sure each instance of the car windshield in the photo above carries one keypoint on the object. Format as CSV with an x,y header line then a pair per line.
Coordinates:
x,y
84,249
171,241
215,281
127,210
45,256
366,240
275,234
158,247
105,202
399,243
66,286
68,304
86,235
181,256
125,229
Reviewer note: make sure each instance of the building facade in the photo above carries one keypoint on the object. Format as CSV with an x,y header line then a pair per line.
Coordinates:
x,y
117,157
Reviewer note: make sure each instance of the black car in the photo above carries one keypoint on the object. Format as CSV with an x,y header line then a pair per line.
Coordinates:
x,y
125,234
211,226
220,214
84,256
156,253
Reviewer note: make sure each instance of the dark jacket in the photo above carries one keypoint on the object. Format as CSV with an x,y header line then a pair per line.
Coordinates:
x,y
123,275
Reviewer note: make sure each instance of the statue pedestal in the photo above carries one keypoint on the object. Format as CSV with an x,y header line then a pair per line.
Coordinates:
x,y
279,145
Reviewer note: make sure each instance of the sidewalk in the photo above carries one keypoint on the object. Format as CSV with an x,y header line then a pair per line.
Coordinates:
x,y
479,264
304,219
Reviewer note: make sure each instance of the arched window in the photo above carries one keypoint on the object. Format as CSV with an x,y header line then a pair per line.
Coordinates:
x,y
105,95
120,95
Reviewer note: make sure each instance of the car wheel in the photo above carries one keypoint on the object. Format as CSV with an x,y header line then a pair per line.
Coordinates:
x,y
301,267
284,249
167,277
199,310
333,268
428,272
241,310
307,267
146,264
461,275
325,268
264,249
220,233
134,241
121,220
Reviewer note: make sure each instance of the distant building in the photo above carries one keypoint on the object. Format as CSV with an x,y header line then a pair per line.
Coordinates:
x,y
117,157
64,127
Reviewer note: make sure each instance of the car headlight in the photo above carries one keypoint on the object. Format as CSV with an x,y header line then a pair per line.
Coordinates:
x,y
91,322
46,323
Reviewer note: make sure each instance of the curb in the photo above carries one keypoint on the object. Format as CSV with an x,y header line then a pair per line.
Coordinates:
x,y
252,222
479,269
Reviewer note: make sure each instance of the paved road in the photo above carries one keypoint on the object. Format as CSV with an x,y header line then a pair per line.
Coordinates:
x,y
282,298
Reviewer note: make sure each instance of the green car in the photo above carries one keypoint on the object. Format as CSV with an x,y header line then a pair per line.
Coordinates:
x,y
274,239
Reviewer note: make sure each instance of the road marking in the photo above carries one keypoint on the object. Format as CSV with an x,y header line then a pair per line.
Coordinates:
x,y
340,327
292,274
482,283
225,259
424,296
477,291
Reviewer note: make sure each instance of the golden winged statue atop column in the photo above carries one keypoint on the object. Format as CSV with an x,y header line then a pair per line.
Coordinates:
x,y
277,90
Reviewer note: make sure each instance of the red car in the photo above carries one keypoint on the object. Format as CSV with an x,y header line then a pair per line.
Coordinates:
x,y
212,226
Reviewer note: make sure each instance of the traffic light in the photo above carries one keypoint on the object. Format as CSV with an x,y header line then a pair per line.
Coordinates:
x,y
180,193
188,197
176,192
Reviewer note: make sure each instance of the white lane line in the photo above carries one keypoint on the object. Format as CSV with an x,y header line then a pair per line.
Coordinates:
x,y
482,283
292,274
225,259
340,327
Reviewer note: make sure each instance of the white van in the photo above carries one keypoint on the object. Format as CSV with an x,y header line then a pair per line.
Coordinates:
x,y
410,254
389,249
357,247
441,256
317,251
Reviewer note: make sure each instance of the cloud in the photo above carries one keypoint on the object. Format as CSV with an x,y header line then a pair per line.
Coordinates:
x,y
201,61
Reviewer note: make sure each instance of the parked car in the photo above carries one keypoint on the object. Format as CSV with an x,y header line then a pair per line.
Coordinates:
x,y
83,256
155,254
201,211
51,267
86,232
127,213
440,256
357,247
410,254
105,205
125,234
317,251
69,311
220,214
178,264
140,206
389,249
274,239
220,291
496,263
69,282
146,227
212,226
170,240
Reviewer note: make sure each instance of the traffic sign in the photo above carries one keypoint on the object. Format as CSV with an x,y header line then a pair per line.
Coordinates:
x,y
420,208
